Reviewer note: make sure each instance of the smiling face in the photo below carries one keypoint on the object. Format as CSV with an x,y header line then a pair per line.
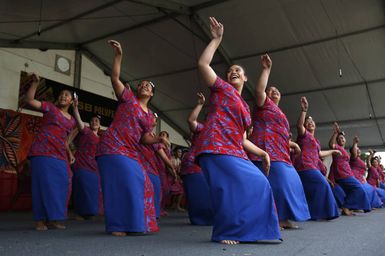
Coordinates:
x,y
309,124
65,98
236,76
95,123
145,89
341,140
374,162
273,93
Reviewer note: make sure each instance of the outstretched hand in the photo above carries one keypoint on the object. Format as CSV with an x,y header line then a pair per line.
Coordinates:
x,y
216,28
201,98
75,103
336,127
356,140
116,45
34,77
266,62
304,104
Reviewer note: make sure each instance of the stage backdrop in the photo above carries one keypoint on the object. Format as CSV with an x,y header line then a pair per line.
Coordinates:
x,y
17,131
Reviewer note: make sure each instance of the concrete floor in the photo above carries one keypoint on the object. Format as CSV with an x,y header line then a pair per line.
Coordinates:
x,y
360,235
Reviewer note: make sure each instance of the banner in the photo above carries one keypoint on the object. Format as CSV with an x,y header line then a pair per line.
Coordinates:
x,y
90,104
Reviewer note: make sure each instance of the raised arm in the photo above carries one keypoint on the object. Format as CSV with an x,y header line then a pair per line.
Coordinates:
x,y
207,73
260,88
295,147
249,147
30,97
78,119
333,138
116,64
192,119
301,120
369,158
356,140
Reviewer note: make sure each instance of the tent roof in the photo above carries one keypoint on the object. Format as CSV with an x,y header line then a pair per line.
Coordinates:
x,y
308,41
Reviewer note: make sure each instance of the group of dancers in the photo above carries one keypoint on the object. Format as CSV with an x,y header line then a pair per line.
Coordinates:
x,y
243,175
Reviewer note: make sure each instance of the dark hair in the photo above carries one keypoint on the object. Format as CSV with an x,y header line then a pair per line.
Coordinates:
x,y
373,158
168,135
244,70
96,116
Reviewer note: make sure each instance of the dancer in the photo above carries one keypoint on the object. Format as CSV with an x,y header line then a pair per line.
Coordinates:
x,y
127,191
200,208
86,179
241,195
271,133
149,163
356,198
358,167
319,196
49,159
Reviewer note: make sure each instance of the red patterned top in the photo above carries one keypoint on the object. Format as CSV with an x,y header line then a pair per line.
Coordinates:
x,y
148,159
127,128
340,166
54,130
167,151
310,148
373,176
271,132
359,168
381,173
86,150
227,121
188,165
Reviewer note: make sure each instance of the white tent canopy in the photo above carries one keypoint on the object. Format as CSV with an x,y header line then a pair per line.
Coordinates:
x,y
309,41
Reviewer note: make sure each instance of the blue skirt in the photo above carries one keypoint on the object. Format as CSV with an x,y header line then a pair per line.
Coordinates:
x,y
155,180
288,192
356,198
382,185
200,208
381,194
374,200
319,196
242,200
85,189
339,195
123,193
49,188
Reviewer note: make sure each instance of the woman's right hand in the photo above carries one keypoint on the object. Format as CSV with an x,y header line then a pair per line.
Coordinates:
x,y
116,45
216,28
34,77
201,98
304,104
75,103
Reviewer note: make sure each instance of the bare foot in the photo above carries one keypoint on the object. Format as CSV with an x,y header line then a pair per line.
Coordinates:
x,y
57,225
231,242
119,233
347,212
78,217
286,224
40,226
180,209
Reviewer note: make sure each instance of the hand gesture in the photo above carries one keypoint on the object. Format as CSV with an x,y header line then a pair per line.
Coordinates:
x,y
71,159
201,98
266,164
356,140
216,28
75,102
337,152
266,61
165,141
34,77
116,45
304,104
336,127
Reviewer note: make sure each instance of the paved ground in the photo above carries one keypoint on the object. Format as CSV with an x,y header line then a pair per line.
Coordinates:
x,y
362,235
